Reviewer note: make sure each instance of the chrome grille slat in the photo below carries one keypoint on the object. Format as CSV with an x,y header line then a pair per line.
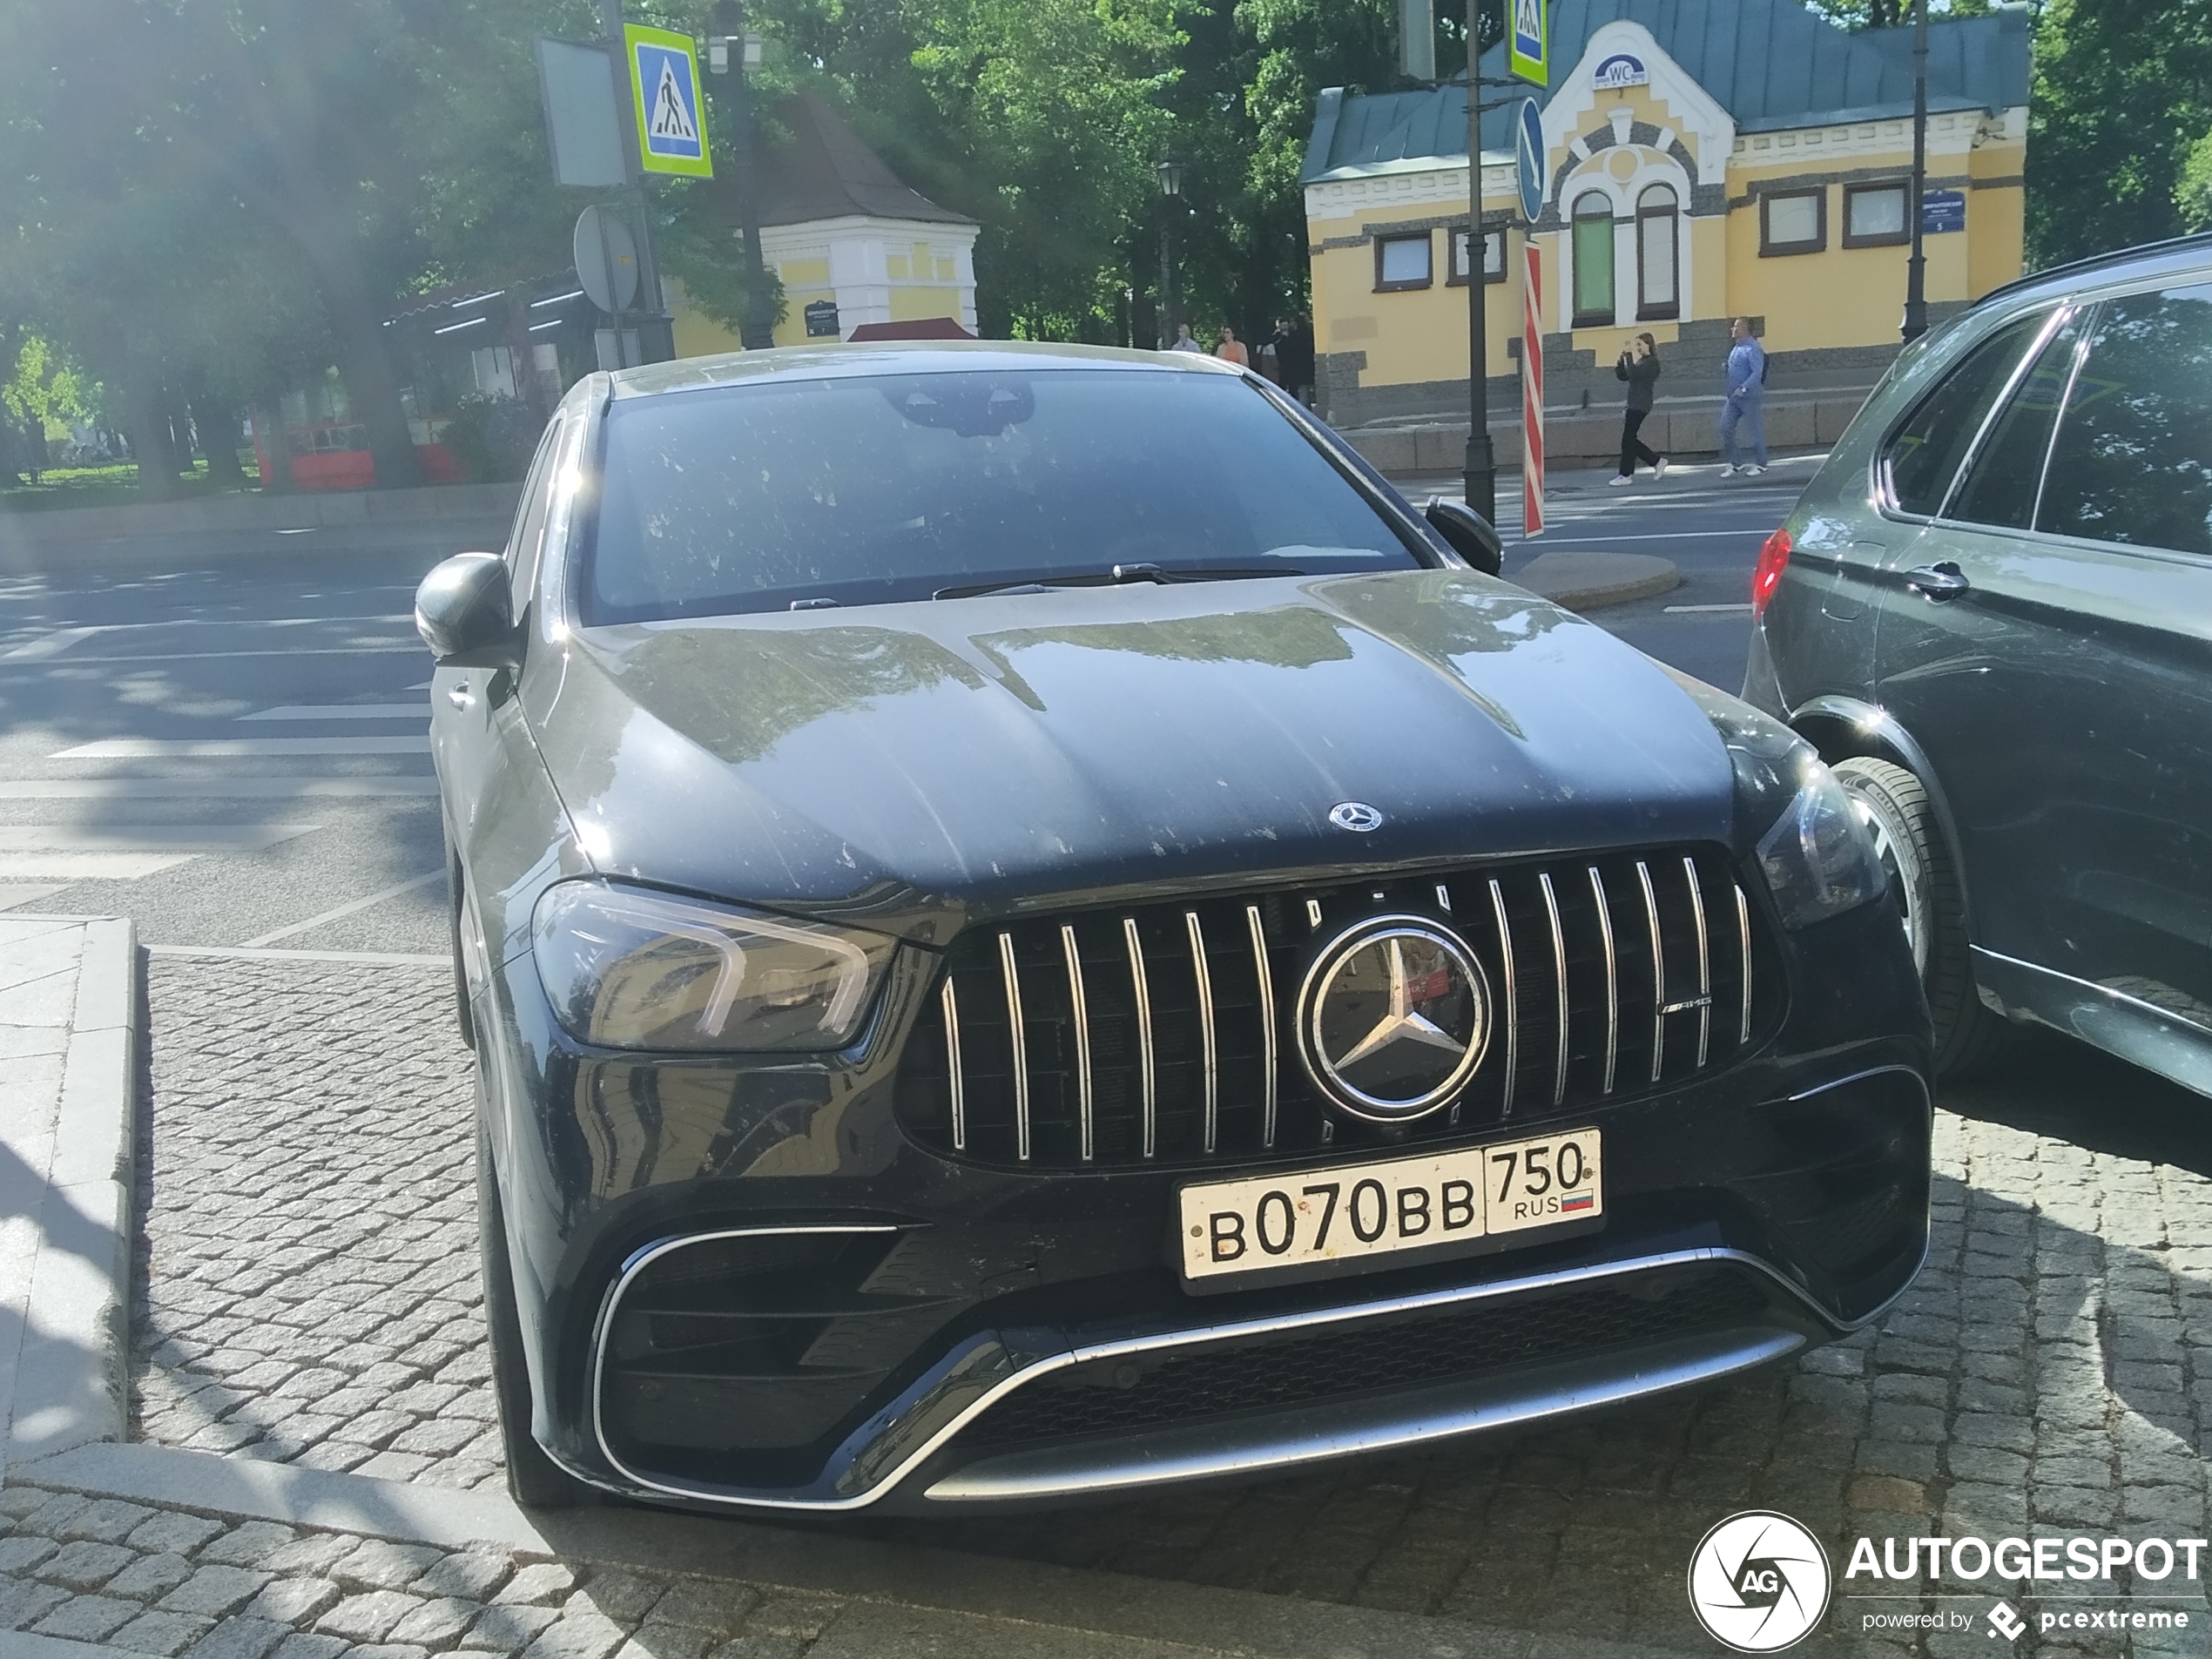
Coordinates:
x,y
1513,998
1079,1013
1743,956
1020,1037
1612,977
1211,1070
1704,962
1559,973
1658,971
1206,1042
1266,980
949,1002
1147,1074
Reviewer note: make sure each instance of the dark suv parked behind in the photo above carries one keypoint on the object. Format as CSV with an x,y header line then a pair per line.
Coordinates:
x,y
1992,610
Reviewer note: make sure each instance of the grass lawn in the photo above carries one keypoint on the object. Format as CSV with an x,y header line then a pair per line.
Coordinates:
x,y
115,486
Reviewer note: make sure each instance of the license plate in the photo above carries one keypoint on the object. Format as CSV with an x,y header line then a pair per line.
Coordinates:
x,y
1405,1205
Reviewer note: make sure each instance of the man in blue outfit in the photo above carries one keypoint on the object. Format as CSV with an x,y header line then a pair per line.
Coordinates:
x,y
1744,403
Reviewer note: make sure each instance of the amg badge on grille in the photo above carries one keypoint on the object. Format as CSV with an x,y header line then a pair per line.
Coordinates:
x,y
1393,1017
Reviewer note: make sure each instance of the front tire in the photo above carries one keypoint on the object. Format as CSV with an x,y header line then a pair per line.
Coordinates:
x,y
1925,889
534,1479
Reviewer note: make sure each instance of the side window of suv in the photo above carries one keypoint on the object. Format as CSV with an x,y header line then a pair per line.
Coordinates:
x,y
1923,455
2002,478
2133,459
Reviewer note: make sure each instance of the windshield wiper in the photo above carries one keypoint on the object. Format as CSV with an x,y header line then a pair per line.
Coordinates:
x,y
1118,575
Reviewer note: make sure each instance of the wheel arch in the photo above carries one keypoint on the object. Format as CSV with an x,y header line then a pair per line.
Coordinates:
x,y
1840,727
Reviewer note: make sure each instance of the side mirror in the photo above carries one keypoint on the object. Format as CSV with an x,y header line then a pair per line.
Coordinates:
x,y
464,615
1469,533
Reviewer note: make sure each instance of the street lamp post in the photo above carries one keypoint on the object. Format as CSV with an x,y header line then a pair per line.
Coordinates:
x,y
1916,266
1171,197
756,332
1480,482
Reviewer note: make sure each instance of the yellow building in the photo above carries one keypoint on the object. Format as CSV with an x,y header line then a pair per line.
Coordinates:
x,y
854,245
1701,162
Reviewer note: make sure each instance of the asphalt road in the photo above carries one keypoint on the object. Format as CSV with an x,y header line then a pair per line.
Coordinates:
x,y
1709,526
232,754
228,745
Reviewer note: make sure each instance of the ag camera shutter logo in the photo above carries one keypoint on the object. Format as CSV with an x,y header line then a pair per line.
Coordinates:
x,y
1759,1583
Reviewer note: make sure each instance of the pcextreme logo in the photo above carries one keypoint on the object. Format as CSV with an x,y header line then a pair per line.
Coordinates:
x,y
1759,1582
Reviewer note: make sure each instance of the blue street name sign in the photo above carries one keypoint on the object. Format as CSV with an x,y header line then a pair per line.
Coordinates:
x,y
1941,211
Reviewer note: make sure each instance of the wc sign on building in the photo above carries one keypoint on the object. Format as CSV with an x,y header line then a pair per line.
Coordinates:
x,y
664,85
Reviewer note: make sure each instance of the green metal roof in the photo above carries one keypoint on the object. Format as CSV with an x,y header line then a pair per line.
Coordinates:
x,y
1769,64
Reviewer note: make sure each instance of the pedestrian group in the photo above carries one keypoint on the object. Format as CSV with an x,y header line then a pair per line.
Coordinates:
x,y
1286,358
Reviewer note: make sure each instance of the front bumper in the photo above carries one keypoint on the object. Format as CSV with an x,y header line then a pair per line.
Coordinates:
x,y
1043,1349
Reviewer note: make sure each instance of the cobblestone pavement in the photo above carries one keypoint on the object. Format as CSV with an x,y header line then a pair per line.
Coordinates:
x,y
307,1287
167,1581
311,1296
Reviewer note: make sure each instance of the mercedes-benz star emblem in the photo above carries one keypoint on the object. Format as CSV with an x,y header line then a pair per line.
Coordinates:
x,y
1355,815
1393,1017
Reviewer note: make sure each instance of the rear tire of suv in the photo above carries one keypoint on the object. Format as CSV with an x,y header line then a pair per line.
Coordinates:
x,y
534,1478
1924,886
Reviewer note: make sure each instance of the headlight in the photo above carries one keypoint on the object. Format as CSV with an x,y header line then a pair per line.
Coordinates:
x,y
1818,858
627,969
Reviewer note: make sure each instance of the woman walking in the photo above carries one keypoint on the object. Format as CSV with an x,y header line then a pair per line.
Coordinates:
x,y
1639,366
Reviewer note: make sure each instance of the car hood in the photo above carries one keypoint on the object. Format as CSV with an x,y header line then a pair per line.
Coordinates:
x,y
922,762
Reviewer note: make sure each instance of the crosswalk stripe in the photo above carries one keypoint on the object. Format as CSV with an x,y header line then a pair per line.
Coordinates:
x,y
368,650
125,852
343,712
15,895
344,910
61,639
89,866
51,644
237,748
147,838
414,784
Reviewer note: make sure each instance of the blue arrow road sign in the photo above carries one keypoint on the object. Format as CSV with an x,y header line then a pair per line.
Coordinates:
x,y
1528,158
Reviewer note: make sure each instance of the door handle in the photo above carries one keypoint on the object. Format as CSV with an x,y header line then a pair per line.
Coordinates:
x,y
1937,581
457,694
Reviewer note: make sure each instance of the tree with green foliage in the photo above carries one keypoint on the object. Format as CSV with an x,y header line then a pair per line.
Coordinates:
x,y
2122,92
326,155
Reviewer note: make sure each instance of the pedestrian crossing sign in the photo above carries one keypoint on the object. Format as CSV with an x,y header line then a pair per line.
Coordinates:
x,y
664,85
1528,45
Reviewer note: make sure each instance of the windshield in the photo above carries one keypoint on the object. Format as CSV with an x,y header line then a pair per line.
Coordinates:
x,y
870,490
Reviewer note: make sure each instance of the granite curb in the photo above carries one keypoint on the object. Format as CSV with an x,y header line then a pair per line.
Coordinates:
x,y
66,1381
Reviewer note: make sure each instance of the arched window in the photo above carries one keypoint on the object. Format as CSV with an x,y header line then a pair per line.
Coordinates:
x,y
1593,259
1658,280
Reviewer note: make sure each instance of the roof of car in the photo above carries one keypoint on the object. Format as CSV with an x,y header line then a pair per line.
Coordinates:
x,y
899,357
2146,259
